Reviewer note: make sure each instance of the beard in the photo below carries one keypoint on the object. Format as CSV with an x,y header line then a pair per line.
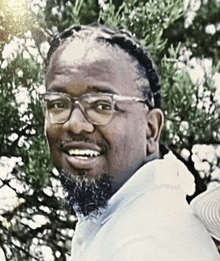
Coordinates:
x,y
87,197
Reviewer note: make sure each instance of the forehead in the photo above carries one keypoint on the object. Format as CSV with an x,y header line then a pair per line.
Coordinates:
x,y
92,62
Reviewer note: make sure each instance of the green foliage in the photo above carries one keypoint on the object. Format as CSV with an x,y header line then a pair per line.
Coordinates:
x,y
200,41
191,108
38,165
64,13
146,19
192,113
195,36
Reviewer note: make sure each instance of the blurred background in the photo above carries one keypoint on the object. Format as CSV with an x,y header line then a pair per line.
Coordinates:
x,y
183,38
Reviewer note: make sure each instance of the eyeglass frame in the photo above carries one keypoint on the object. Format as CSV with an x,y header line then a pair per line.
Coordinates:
x,y
75,101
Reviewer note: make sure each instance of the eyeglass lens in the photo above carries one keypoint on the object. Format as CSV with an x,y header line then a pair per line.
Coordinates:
x,y
97,109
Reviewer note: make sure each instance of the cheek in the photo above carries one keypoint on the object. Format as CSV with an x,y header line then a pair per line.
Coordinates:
x,y
53,139
125,140
52,133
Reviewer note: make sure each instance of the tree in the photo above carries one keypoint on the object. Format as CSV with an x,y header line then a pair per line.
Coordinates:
x,y
38,222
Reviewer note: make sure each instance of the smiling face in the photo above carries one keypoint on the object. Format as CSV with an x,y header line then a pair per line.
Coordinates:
x,y
118,148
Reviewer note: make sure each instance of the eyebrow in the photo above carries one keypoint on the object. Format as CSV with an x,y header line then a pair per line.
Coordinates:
x,y
60,89
104,89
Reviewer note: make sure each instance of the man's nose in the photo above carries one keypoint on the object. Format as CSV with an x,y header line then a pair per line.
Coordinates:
x,y
77,123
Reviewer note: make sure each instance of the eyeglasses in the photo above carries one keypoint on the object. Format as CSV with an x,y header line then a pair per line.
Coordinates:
x,y
98,108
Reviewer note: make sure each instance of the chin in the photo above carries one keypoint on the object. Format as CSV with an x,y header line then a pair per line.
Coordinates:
x,y
86,195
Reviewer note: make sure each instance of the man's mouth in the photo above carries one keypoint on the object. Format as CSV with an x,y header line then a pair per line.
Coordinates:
x,y
83,153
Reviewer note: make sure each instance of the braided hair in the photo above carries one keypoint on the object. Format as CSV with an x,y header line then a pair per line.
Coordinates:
x,y
125,41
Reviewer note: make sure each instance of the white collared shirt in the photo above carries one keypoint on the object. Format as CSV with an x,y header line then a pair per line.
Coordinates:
x,y
147,219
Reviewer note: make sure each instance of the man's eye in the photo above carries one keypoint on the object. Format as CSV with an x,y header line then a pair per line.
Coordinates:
x,y
101,106
56,105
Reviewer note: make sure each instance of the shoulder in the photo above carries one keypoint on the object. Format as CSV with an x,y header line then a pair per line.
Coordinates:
x,y
158,224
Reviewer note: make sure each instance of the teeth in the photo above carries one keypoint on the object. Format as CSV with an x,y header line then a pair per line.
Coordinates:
x,y
83,153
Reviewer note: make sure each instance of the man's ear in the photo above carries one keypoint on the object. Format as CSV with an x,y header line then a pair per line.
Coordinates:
x,y
155,121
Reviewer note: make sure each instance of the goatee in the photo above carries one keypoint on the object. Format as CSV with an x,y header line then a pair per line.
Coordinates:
x,y
86,196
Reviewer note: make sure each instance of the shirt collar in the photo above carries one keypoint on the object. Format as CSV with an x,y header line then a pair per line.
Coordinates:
x,y
168,171
136,186
141,180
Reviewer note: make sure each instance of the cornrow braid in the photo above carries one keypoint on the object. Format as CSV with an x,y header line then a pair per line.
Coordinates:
x,y
121,38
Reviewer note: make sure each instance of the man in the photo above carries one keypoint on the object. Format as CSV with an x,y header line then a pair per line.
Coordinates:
x,y
103,126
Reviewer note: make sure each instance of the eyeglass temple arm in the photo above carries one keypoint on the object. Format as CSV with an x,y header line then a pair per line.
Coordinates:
x,y
128,98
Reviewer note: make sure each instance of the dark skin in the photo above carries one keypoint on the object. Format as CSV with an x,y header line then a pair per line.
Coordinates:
x,y
128,141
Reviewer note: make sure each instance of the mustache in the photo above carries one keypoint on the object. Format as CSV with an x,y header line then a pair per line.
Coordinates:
x,y
82,138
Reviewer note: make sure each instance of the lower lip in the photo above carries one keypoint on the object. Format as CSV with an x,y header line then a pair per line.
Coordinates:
x,y
82,162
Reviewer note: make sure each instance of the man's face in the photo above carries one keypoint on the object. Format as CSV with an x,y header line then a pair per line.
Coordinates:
x,y
116,149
